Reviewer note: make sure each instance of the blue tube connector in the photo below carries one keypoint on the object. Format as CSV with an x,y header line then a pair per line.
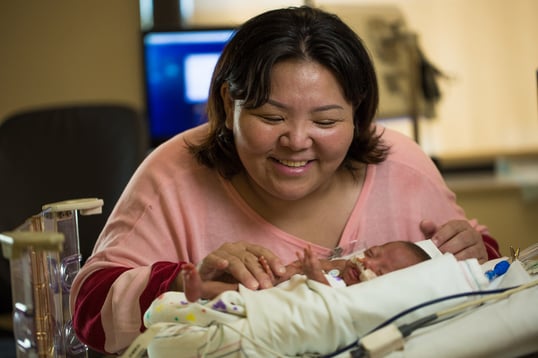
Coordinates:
x,y
498,270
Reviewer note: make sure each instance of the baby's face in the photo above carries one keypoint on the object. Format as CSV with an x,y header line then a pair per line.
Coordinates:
x,y
377,261
355,272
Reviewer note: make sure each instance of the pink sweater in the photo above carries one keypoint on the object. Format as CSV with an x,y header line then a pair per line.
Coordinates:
x,y
176,210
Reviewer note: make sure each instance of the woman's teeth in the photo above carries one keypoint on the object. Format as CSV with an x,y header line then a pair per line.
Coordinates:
x,y
293,164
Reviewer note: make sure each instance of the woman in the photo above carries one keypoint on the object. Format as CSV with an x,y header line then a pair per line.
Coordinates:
x,y
290,158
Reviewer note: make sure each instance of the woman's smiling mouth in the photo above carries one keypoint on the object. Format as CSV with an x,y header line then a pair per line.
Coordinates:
x,y
293,164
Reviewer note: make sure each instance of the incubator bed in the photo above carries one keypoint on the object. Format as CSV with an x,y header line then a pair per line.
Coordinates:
x,y
392,315
389,316
44,255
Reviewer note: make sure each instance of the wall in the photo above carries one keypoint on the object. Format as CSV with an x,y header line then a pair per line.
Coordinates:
x,y
489,48
69,51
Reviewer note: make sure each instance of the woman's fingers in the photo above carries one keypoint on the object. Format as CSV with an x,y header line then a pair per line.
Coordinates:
x,y
242,261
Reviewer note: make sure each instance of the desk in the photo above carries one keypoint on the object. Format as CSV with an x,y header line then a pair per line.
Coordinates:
x,y
503,207
504,199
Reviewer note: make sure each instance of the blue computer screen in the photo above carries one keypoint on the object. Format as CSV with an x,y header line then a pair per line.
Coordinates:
x,y
178,66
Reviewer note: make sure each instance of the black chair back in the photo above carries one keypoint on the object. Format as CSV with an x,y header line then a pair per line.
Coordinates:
x,y
62,153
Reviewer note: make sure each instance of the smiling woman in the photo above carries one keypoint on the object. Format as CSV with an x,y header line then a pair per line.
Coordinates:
x,y
290,158
293,146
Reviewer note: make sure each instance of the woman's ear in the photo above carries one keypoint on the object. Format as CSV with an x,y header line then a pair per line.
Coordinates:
x,y
228,105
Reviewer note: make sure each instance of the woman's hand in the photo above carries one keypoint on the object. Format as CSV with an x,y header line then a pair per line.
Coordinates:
x,y
241,261
457,237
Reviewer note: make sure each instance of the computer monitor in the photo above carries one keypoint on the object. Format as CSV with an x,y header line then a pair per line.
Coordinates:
x,y
178,66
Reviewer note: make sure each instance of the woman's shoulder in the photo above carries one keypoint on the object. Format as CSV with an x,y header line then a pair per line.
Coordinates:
x,y
397,141
178,145
175,152
405,152
172,161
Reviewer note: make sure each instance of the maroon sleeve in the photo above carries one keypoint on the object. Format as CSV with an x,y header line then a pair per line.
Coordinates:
x,y
94,290
162,275
492,247
87,311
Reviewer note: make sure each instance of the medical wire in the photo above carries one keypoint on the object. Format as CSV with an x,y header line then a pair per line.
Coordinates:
x,y
499,296
491,295
407,329
242,335
437,300
411,309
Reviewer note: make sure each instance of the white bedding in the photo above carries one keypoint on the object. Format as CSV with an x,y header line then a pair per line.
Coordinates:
x,y
301,317
505,328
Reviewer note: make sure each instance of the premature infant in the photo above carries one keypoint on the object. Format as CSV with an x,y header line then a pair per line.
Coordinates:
x,y
364,266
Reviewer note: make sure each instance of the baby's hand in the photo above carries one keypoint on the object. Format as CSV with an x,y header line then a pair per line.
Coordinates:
x,y
312,266
192,283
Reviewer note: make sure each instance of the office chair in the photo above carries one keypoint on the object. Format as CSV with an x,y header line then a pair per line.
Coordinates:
x,y
61,153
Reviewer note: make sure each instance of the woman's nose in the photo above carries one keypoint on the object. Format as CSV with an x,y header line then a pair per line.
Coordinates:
x,y
296,137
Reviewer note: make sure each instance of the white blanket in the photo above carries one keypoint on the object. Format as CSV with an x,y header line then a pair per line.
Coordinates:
x,y
300,317
504,328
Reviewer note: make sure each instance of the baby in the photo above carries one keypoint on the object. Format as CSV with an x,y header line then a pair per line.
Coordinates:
x,y
364,266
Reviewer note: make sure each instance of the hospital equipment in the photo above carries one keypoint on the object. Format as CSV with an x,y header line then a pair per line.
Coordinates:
x,y
44,257
404,307
390,337
37,301
498,270
44,254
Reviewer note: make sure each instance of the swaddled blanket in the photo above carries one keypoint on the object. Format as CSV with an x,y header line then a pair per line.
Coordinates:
x,y
301,316
498,329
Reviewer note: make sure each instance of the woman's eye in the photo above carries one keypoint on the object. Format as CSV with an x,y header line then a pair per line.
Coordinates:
x,y
325,123
271,119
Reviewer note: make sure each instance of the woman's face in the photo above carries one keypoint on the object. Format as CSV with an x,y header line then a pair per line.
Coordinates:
x,y
294,144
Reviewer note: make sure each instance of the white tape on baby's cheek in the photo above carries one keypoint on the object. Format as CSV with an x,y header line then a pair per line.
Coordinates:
x,y
367,275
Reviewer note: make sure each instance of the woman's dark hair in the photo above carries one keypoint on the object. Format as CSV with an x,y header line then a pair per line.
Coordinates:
x,y
295,33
